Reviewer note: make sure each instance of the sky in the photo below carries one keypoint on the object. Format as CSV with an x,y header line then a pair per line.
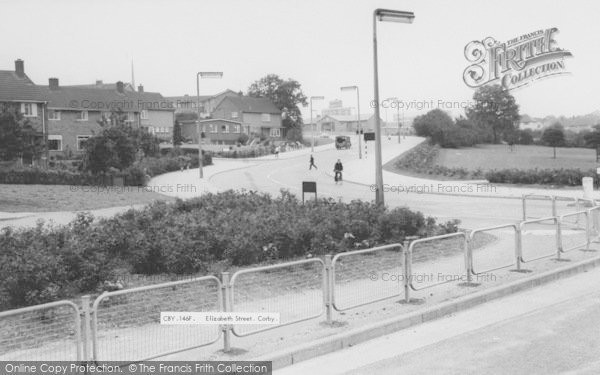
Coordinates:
x,y
322,44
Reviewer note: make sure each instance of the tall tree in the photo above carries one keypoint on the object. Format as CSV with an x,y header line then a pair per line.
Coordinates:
x,y
287,96
494,108
554,137
18,138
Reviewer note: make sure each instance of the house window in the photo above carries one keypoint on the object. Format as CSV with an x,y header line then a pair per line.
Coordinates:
x,y
275,133
53,115
213,128
29,109
144,114
81,139
236,129
130,117
266,117
234,115
55,142
224,129
83,116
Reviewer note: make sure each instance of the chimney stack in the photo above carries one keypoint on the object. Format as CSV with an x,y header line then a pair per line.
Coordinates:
x,y
120,87
140,88
53,83
20,68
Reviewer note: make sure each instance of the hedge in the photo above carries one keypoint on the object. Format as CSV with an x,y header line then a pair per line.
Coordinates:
x,y
188,237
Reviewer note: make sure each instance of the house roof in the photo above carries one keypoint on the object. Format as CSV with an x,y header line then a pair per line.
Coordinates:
x,y
249,104
97,99
193,98
108,86
15,88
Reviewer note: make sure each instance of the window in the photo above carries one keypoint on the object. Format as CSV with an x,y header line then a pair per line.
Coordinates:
x,y
29,109
236,129
144,114
266,117
213,128
224,128
275,133
55,142
83,116
234,115
81,139
53,115
130,117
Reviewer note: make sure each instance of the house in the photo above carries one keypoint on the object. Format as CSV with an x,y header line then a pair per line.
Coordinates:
x,y
343,123
189,103
19,91
216,131
336,108
259,117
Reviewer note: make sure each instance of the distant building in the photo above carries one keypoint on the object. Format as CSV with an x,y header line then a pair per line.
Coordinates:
x,y
336,108
259,117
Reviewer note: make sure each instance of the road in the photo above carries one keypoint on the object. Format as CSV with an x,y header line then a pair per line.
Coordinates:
x,y
548,330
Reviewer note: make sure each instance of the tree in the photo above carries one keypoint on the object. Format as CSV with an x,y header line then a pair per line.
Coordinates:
x,y
494,108
177,137
592,139
287,95
18,138
554,137
432,124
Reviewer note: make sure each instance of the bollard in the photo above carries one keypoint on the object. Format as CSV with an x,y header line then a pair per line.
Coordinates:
x,y
85,328
226,293
588,187
328,289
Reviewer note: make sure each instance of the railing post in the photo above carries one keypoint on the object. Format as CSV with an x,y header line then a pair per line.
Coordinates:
x,y
85,328
518,246
559,247
587,230
554,205
468,259
407,270
226,293
328,289
524,207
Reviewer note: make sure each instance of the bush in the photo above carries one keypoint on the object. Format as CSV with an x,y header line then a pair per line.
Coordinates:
x,y
186,237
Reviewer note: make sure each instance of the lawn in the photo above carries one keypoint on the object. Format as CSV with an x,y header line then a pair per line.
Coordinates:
x,y
48,198
522,157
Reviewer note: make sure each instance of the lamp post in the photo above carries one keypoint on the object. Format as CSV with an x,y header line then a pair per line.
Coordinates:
x,y
358,126
312,145
384,15
198,130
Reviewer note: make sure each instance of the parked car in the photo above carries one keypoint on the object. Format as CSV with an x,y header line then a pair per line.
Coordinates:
x,y
342,141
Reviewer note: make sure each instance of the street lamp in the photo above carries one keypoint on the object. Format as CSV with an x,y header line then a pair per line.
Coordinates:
x,y
358,127
312,145
198,130
384,15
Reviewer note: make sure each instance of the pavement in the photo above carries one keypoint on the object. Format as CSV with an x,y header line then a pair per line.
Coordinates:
x,y
546,330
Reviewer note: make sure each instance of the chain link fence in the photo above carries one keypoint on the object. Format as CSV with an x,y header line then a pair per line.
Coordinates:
x,y
295,290
126,323
365,276
48,332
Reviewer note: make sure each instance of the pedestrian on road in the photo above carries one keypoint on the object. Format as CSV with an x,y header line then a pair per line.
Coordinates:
x,y
337,169
277,149
312,163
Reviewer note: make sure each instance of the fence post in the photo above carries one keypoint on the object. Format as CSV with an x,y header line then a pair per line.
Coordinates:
x,y
558,237
587,230
226,293
524,207
85,328
518,246
328,291
468,259
407,270
554,205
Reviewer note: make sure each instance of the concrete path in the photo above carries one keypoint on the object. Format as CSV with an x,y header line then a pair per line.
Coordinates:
x,y
547,330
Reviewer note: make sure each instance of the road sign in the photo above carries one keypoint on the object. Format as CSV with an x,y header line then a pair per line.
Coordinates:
x,y
369,136
309,187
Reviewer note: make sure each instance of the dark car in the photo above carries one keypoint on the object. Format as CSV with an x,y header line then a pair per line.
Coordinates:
x,y
342,142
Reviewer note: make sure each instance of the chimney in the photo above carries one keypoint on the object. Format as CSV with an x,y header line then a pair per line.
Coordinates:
x,y
120,88
140,88
98,82
20,68
53,83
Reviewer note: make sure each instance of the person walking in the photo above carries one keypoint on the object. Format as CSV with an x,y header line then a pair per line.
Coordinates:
x,y
312,163
337,169
277,149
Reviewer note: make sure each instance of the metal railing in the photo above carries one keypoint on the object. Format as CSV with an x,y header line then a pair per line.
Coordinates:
x,y
570,225
483,246
362,277
44,332
534,239
126,323
295,290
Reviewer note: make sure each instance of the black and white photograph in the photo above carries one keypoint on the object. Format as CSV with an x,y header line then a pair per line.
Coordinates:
x,y
297,187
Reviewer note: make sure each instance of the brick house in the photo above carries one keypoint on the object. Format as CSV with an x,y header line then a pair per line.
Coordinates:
x,y
216,131
189,103
19,91
259,117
